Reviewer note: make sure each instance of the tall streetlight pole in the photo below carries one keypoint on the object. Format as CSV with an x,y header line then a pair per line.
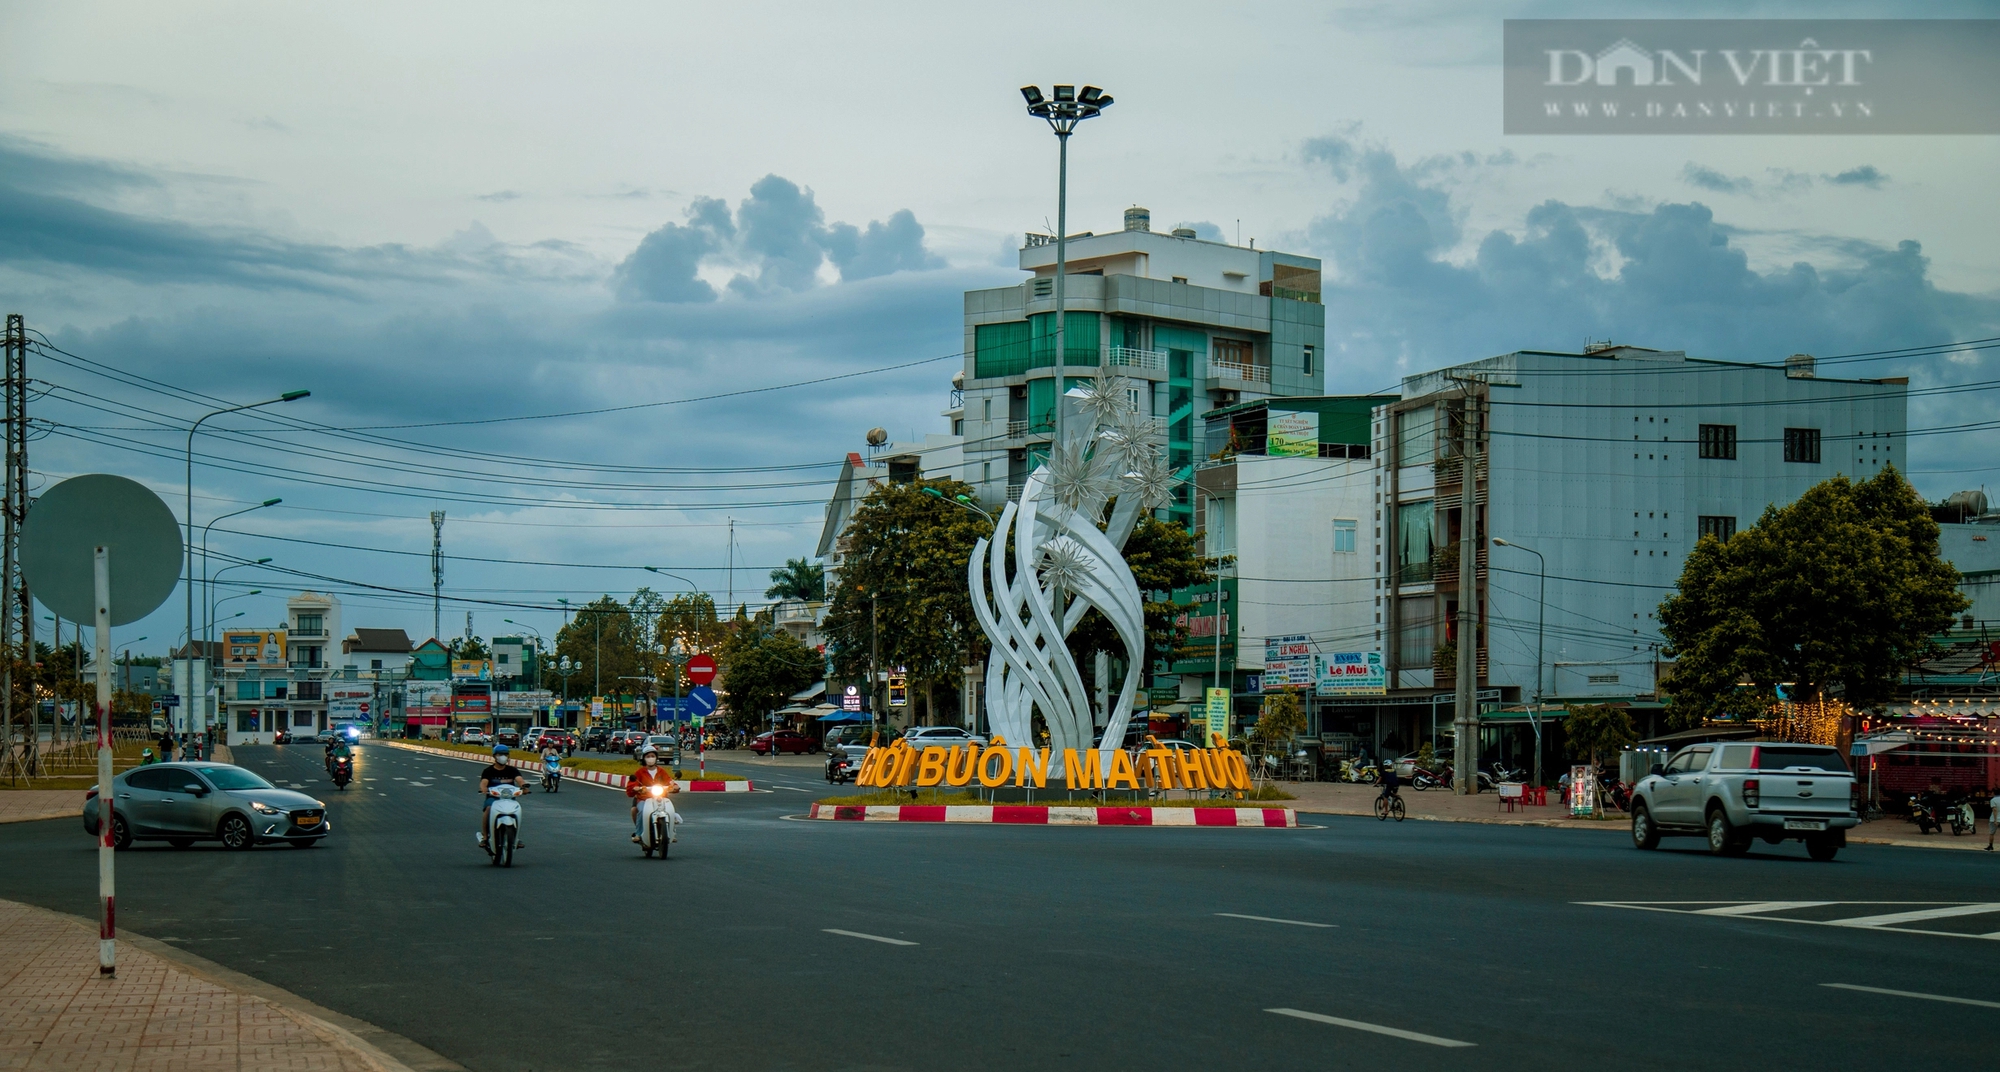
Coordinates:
x,y
208,591
187,699
1541,615
208,631
677,658
1063,113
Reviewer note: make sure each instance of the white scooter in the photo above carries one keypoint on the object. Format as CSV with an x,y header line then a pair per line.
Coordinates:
x,y
659,823
504,820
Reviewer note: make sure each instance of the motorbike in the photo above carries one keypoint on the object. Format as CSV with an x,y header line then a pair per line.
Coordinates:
x,y
505,820
342,770
551,774
659,823
1924,813
1960,817
839,768
1614,792
1423,779
1359,770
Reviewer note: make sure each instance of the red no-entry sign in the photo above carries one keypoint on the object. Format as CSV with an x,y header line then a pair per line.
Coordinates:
x,y
701,669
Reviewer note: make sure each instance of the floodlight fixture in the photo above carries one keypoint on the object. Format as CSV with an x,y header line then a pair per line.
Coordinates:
x,y
1065,94
1032,94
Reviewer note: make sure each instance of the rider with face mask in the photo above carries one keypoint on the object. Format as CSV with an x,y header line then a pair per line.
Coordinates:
x,y
649,774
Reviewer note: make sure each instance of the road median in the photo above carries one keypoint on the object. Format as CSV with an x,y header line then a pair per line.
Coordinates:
x,y
581,774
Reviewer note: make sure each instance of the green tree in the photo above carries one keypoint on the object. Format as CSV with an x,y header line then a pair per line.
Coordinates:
x,y
798,578
905,563
765,665
607,618
1281,719
1598,730
468,648
1833,595
689,618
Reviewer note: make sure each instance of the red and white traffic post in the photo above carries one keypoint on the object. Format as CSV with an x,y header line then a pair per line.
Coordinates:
x,y
107,886
701,671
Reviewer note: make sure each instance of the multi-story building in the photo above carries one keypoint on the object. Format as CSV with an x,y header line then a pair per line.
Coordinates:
x,y
1610,464
1193,324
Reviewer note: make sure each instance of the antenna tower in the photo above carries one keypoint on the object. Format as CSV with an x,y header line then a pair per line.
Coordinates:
x,y
437,572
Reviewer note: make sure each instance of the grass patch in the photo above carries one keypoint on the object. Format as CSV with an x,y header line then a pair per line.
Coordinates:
x,y
1261,797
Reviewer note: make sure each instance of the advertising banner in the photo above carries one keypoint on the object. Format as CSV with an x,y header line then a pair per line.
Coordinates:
x,y
1288,662
1582,791
471,670
1350,673
1290,434
527,702
348,703
248,648
1195,615
1216,712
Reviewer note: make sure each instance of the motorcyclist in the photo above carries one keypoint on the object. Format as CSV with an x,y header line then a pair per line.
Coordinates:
x,y
499,772
551,756
147,758
649,774
336,751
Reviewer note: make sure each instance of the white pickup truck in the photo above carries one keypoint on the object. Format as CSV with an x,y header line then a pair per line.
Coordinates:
x,y
1732,792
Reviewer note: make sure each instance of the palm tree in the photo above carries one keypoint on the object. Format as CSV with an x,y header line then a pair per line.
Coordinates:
x,y
798,579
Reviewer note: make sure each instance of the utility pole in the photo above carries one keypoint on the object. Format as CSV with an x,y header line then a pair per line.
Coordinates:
x,y
1465,723
876,700
732,566
437,572
15,510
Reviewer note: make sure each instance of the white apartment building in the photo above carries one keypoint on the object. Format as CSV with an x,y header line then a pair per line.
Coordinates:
x,y
1194,324
1610,463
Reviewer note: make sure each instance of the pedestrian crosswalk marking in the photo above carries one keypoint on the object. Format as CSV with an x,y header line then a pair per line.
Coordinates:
x,y
1866,915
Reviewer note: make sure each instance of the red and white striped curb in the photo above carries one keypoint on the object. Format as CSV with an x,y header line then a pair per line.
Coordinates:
x,y
611,781
1046,815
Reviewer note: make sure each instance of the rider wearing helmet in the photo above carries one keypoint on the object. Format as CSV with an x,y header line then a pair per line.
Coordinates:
x,y
649,774
499,772
147,758
335,750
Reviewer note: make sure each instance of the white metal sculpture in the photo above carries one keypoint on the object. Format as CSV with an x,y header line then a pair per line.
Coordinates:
x,y
1062,565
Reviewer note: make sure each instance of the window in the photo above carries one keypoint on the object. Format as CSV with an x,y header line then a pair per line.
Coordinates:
x,y
1180,279
246,690
986,406
1308,361
1343,537
1718,441
1717,526
503,658
958,426
1416,436
1231,352
307,690
1413,528
1132,398
1000,350
986,472
302,718
374,664
311,625
1802,445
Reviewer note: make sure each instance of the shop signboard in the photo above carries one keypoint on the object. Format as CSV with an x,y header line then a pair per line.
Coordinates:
x,y
1197,621
426,702
851,699
471,670
1582,791
1290,434
525,702
1288,662
1350,673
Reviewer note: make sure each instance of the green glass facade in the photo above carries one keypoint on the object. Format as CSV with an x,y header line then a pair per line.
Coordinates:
x,y
1000,349
1187,356
1079,340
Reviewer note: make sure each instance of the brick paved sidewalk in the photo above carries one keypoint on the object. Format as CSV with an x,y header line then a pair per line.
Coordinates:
x,y
29,805
1338,798
57,1012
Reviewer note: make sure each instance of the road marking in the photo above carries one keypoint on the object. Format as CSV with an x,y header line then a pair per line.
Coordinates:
x,y
1878,922
1913,994
1274,919
870,937
1919,915
1756,907
1358,1025
793,788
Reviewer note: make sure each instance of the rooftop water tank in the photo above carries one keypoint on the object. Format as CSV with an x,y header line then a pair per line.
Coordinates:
x,y
1183,232
1799,366
1138,219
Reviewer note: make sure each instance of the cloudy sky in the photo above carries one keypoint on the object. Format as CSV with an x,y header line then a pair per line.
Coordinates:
x,y
529,258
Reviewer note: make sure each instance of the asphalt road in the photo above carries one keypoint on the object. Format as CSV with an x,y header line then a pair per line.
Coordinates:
x,y
768,943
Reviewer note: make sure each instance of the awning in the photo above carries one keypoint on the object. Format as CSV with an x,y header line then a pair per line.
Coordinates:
x,y
814,691
844,716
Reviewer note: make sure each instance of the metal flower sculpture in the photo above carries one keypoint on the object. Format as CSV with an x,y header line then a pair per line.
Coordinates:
x,y
1067,559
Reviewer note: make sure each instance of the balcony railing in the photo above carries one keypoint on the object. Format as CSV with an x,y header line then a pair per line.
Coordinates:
x,y
307,634
1127,357
1014,491
1230,370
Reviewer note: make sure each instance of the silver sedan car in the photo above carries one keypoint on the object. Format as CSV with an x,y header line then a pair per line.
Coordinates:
x,y
182,803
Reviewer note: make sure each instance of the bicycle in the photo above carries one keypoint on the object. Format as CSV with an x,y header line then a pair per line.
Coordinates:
x,y
1387,806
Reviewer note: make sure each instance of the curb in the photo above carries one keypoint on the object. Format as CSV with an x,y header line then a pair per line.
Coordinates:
x,y
590,777
1050,815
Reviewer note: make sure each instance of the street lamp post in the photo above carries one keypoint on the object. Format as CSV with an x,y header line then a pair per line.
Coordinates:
x,y
1063,113
208,590
187,699
208,631
678,657
1541,615
970,697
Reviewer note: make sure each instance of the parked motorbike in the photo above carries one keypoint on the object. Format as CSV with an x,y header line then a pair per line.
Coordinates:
x,y
505,820
551,774
342,770
1960,816
1924,813
1425,779
659,823
1614,792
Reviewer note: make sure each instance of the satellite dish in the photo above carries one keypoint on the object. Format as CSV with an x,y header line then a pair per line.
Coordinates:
x,y
877,436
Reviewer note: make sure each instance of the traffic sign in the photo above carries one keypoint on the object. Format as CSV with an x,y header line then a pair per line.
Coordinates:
x,y
701,670
171,700
701,700
71,520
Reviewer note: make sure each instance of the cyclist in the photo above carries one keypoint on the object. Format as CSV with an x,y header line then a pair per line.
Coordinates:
x,y
1390,783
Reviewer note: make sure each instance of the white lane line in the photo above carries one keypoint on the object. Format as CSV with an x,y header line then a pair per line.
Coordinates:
x,y
1274,919
870,937
1913,994
1917,915
793,788
1392,1032
1664,906
1759,907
